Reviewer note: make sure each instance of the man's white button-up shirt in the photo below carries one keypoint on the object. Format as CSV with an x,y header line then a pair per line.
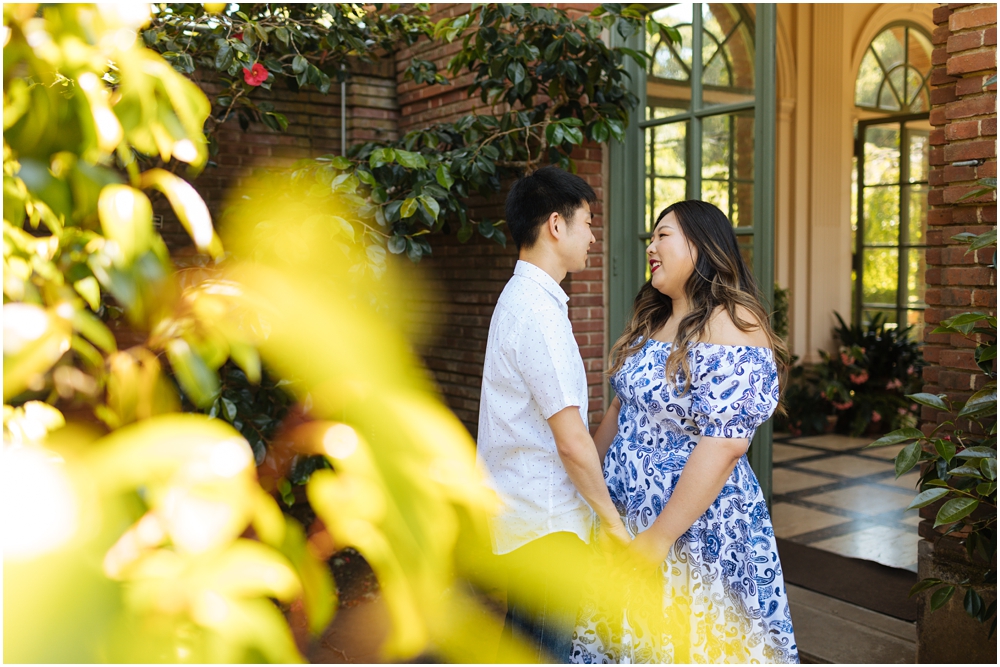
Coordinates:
x,y
533,369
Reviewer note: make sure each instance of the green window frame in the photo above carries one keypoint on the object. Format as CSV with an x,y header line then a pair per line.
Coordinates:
x,y
628,187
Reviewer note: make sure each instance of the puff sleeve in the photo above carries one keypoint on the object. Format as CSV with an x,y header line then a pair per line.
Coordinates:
x,y
734,390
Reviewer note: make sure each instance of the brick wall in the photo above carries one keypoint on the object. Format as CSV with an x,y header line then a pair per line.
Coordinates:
x,y
313,130
469,277
964,118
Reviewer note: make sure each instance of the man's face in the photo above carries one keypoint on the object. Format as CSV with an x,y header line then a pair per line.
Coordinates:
x,y
576,244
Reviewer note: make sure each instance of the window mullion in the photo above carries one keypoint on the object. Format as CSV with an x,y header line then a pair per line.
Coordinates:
x,y
695,129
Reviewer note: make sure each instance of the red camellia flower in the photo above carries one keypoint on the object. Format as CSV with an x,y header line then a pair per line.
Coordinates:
x,y
256,75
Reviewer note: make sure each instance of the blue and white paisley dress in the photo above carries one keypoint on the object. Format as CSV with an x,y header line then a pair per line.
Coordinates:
x,y
724,597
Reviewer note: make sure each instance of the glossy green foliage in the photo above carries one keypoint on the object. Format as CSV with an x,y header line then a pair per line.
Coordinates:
x,y
958,459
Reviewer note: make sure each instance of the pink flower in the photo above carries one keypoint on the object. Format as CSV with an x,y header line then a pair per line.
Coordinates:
x,y
895,383
901,411
860,378
256,75
845,359
910,371
876,417
843,406
822,394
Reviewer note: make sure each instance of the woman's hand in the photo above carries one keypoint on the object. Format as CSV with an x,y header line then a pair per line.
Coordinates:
x,y
647,551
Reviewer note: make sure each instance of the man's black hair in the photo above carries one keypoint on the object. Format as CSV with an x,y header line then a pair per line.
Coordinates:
x,y
533,198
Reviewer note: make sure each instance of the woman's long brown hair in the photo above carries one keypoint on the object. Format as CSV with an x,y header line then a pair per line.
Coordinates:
x,y
720,278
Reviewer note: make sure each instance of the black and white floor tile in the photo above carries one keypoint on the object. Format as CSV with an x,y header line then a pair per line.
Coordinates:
x,y
831,494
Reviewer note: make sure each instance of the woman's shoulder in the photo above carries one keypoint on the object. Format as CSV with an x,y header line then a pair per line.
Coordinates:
x,y
722,330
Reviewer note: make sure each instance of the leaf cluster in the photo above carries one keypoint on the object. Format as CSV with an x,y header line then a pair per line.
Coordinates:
x,y
958,459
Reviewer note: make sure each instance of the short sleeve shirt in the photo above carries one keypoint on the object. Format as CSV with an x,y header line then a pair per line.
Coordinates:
x,y
532,370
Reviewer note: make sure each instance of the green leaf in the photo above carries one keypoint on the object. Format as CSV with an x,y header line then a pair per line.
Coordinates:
x,y
940,597
443,177
965,471
946,448
989,468
927,497
978,452
431,205
954,510
986,488
228,409
907,458
396,244
342,227
930,400
924,584
196,379
90,290
983,240
94,330
972,603
983,401
465,233
411,160
896,437
408,208
486,229
299,64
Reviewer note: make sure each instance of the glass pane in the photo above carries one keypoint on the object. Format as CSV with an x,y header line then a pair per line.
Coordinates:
x,y
919,149
727,55
888,98
662,107
916,287
665,168
882,154
886,314
854,202
918,214
869,77
880,277
727,165
915,318
888,46
745,242
919,57
881,216
672,61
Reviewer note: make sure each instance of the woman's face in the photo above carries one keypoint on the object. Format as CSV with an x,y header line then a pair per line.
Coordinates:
x,y
671,257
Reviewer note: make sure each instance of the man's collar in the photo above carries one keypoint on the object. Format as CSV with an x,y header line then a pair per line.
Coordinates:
x,y
537,274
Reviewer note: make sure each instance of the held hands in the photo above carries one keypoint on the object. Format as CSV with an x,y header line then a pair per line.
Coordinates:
x,y
647,551
613,536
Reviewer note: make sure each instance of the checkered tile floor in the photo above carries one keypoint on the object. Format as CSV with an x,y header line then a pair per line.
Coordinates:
x,y
833,495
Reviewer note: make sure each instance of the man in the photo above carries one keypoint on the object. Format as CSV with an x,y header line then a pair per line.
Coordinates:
x,y
533,436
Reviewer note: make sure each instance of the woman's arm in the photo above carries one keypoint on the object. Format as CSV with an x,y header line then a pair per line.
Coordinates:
x,y
705,473
608,429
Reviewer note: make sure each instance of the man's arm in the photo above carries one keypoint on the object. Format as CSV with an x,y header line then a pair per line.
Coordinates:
x,y
579,457
608,429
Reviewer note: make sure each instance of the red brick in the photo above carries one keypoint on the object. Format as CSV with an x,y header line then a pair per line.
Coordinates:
x,y
973,62
990,36
940,35
965,41
968,129
973,19
970,85
943,95
970,150
955,174
939,77
939,56
941,15
989,128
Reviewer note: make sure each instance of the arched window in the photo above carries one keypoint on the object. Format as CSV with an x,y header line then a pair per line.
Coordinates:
x,y
892,147
894,71
678,85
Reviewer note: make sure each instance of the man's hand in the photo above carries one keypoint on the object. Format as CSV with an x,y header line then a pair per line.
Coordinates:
x,y
613,536
647,551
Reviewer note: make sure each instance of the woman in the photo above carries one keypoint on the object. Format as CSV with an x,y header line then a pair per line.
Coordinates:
x,y
695,373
